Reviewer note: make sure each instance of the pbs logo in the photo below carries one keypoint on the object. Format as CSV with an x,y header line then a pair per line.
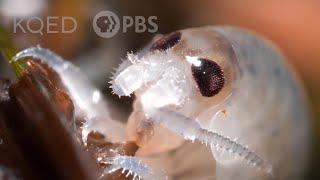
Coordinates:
x,y
107,24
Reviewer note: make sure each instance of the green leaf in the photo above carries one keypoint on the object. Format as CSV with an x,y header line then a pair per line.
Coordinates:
x,y
8,50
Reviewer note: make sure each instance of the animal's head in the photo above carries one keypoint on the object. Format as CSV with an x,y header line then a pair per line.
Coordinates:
x,y
184,67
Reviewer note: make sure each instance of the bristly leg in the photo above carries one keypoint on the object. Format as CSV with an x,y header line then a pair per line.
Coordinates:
x,y
85,96
132,166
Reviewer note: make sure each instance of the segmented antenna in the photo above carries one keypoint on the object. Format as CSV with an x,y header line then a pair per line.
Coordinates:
x,y
190,129
224,143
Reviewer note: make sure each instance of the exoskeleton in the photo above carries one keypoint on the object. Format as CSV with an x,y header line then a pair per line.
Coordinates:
x,y
226,88
210,103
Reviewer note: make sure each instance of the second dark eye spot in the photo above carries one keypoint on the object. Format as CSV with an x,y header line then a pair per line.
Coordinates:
x,y
166,42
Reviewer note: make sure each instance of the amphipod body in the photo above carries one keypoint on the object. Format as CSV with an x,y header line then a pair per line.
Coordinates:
x,y
224,88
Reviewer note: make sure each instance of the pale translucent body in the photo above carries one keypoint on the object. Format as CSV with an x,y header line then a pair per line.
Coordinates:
x,y
261,109
255,128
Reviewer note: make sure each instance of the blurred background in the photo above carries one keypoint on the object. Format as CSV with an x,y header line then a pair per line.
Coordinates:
x,y
294,26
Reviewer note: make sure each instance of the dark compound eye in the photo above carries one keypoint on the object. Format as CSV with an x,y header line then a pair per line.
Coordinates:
x,y
208,76
166,42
